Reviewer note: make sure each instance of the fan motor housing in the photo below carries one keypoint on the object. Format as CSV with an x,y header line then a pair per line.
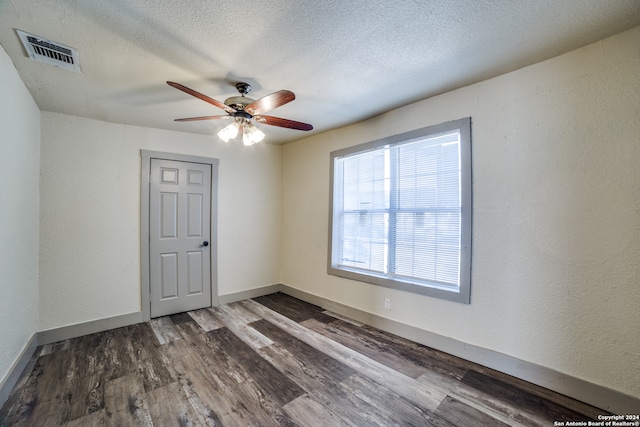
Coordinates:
x,y
238,102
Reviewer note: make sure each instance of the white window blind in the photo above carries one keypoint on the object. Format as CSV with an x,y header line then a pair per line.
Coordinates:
x,y
397,211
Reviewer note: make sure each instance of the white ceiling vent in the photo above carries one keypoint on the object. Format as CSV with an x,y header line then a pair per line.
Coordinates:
x,y
50,52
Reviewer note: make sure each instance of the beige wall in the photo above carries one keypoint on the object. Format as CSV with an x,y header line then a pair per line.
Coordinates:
x,y
19,164
556,215
90,215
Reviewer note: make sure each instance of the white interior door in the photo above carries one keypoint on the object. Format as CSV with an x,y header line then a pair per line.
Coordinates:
x,y
180,236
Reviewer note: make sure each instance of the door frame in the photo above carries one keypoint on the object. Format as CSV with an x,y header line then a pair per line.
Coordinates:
x,y
145,171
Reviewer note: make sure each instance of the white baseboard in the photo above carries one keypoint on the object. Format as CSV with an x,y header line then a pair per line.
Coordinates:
x,y
13,375
576,388
72,331
251,293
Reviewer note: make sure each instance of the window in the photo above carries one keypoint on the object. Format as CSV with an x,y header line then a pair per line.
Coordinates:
x,y
401,211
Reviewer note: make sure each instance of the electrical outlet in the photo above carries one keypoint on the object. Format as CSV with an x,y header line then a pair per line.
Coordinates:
x,y
387,303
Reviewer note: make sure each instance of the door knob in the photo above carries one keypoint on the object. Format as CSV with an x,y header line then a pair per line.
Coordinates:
x,y
205,244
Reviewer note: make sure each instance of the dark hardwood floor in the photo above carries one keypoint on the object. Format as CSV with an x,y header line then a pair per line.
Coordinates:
x,y
273,360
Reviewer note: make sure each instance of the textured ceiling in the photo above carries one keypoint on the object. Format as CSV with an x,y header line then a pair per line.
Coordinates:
x,y
345,60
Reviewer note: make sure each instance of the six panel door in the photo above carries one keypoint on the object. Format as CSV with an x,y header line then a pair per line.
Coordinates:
x,y
179,241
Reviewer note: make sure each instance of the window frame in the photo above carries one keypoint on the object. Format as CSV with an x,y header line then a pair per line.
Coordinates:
x,y
463,292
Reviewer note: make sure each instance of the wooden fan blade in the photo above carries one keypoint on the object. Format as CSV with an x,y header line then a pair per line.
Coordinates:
x,y
283,123
269,102
192,119
205,98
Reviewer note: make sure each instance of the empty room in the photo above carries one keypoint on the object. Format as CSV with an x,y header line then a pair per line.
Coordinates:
x,y
303,213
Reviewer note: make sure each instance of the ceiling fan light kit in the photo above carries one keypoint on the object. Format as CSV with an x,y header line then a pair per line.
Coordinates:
x,y
229,132
250,133
245,111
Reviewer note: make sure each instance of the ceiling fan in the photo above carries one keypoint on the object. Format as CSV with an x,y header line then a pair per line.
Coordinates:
x,y
244,111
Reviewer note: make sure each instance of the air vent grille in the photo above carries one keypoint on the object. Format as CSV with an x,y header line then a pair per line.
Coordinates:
x,y
50,52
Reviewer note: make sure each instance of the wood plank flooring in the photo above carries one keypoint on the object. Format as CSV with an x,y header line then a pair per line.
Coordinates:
x,y
270,361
